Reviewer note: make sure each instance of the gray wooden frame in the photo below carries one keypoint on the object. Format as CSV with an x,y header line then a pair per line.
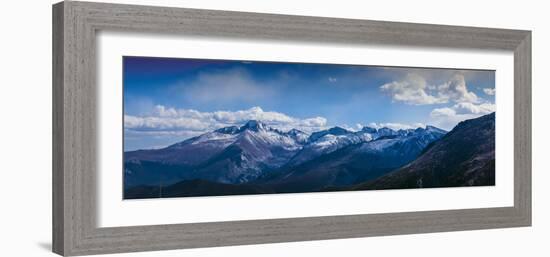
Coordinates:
x,y
75,25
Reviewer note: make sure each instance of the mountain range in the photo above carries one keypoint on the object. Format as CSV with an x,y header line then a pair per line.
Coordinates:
x,y
464,157
255,158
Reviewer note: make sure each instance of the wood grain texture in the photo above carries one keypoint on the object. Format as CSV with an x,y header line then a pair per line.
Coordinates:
x,y
75,25
522,128
58,216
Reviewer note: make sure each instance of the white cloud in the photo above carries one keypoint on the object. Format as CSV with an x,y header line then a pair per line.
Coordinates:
x,y
442,112
396,126
228,85
414,90
448,117
489,91
170,121
332,79
411,90
133,134
470,108
455,89
164,123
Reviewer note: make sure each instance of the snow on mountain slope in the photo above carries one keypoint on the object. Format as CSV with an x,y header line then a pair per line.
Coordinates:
x,y
243,154
257,149
419,137
189,152
336,131
214,138
300,136
463,157
330,140
253,153
322,145
355,163
228,155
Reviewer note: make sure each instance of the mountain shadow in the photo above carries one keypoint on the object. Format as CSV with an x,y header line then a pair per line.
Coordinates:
x,y
463,157
194,187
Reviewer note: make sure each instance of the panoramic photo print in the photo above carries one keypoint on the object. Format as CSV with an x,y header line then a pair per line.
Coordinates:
x,y
202,127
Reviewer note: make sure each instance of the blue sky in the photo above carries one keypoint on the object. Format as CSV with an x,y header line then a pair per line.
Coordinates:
x,y
167,100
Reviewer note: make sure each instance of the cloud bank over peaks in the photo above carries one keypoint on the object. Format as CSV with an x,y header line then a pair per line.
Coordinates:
x,y
164,119
396,126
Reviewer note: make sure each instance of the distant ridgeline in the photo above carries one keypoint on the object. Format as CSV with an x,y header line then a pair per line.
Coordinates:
x,y
258,159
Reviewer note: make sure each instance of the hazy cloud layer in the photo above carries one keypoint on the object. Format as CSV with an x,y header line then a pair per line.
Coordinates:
x,y
226,86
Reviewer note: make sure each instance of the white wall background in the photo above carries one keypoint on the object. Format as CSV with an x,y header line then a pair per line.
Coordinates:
x,y
25,128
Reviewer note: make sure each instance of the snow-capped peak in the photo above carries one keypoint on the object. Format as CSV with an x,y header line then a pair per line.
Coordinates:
x,y
369,130
385,131
228,130
335,131
298,135
253,125
295,132
435,129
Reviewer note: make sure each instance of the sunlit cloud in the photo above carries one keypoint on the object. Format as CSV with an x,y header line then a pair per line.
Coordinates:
x,y
415,90
448,117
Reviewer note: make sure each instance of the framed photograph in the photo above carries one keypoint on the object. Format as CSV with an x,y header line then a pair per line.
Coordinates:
x,y
183,128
